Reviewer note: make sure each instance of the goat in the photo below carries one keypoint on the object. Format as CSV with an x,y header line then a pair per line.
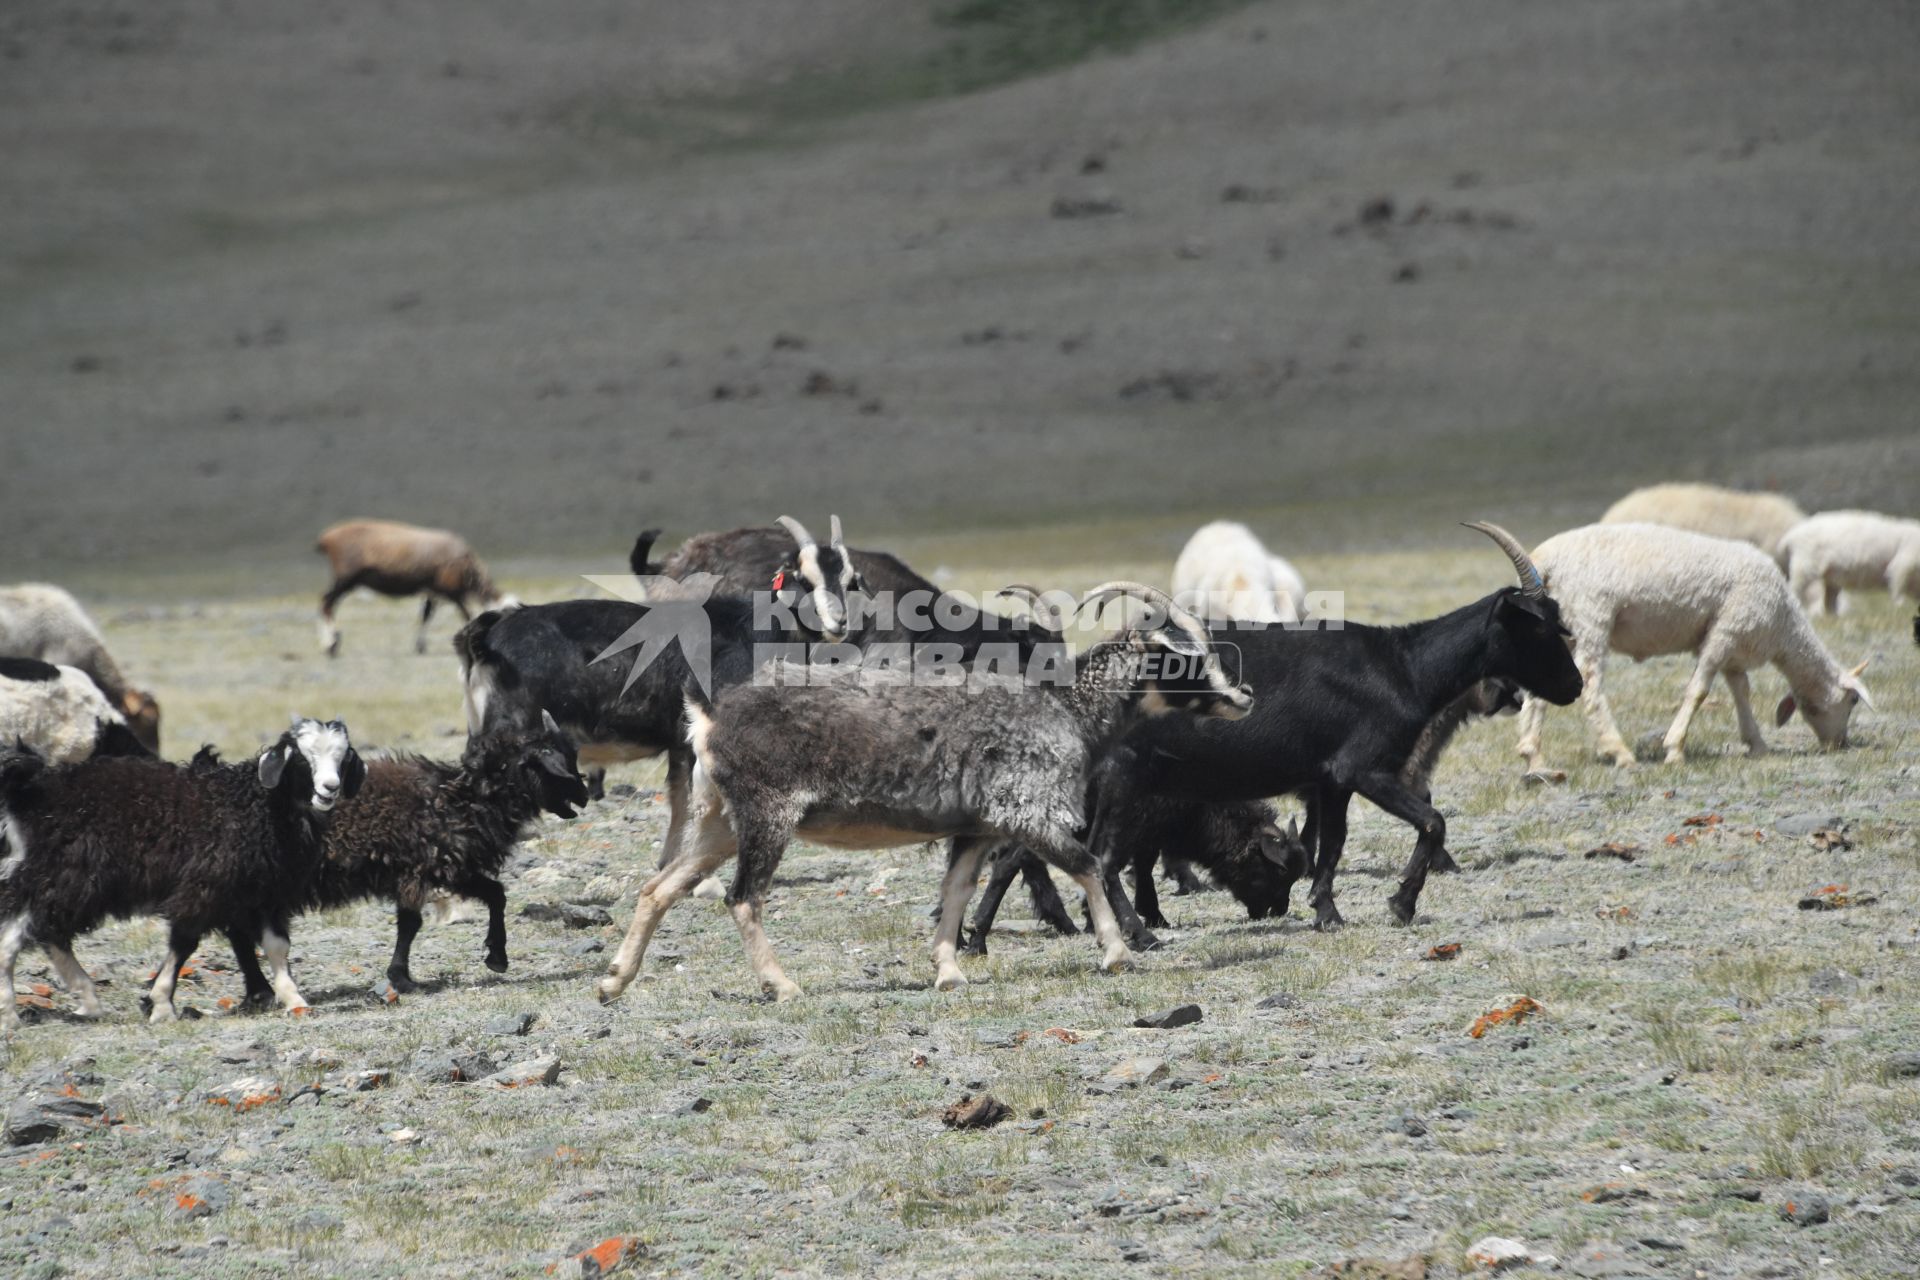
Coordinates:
x,y
1644,590
46,623
60,714
1340,712
1851,551
1224,573
1238,842
401,560
423,827
229,847
861,758
1760,518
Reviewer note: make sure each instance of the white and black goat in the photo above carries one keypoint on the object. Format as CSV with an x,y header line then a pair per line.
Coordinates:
x,y
866,758
61,714
422,827
1339,713
227,847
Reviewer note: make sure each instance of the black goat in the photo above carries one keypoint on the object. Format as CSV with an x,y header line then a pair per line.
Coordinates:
x,y
229,847
1341,712
422,827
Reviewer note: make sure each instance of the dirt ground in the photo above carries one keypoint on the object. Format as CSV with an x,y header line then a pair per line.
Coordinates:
x,y
1706,1052
548,278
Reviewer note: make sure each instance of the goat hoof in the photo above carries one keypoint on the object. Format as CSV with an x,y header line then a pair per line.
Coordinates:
x,y
1442,863
402,981
1119,960
950,981
163,1013
975,948
782,990
1144,941
497,962
608,989
1402,908
1327,920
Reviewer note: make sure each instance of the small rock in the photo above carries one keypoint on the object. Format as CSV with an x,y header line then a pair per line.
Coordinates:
x,y
1241,193
437,1066
694,1106
1092,207
1806,1209
586,947
1131,1072
603,1259
1497,1253
45,1117
364,1081
1179,1016
240,1052
403,1137
384,992
574,915
246,1093
1280,1000
511,1024
971,1112
1805,824
1901,1065
1409,1124
1412,1268
1662,1245
544,1070
200,1196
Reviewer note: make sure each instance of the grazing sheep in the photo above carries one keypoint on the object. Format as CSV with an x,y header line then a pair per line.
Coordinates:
x,y
60,714
1839,551
401,560
228,847
1760,518
1225,574
1645,590
861,758
45,622
421,828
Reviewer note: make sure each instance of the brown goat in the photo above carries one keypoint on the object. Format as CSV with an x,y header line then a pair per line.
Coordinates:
x,y
401,560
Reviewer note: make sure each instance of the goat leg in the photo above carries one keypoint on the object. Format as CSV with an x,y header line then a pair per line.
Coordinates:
x,y
1047,906
489,891
259,994
1390,794
1006,862
1327,817
1146,897
1185,879
406,923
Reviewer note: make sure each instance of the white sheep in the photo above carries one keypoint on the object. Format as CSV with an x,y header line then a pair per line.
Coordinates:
x,y
1851,550
1759,518
45,622
1645,590
60,713
1225,574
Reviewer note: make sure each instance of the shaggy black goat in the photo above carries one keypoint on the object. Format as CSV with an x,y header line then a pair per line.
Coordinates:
x,y
422,827
229,847
1340,712
861,758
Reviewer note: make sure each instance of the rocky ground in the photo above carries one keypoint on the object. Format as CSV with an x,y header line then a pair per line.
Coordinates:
x,y
1703,1075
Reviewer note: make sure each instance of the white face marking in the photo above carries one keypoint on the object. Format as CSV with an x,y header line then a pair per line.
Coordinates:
x,y
16,847
827,606
325,748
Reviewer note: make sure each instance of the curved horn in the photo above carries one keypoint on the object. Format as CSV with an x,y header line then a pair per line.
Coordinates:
x,y
833,532
1037,605
1531,583
798,530
1176,615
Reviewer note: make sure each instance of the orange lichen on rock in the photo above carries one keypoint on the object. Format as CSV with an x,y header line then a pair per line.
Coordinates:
x,y
1515,1012
1445,951
1063,1035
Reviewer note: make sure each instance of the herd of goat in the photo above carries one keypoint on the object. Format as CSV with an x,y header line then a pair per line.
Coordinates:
x,y
1165,738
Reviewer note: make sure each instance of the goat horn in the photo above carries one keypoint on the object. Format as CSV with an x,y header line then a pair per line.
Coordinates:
x,y
1859,670
1176,615
1531,583
798,530
1032,595
833,533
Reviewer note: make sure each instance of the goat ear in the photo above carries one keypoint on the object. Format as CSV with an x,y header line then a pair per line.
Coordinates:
x,y
1783,712
547,722
353,773
1853,685
272,764
1293,828
1180,642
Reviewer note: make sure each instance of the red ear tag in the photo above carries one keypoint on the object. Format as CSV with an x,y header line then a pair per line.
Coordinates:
x,y
779,579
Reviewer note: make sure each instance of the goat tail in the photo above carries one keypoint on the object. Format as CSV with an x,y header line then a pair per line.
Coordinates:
x,y
642,548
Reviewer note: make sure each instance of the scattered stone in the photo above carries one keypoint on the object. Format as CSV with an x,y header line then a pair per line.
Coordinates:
x,y
511,1024
586,947
781,342
544,1070
1738,1192
404,1137
821,383
1902,1065
971,1112
200,1196
1410,1268
364,1081
1835,897
1181,385
1377,212
438,1066
1614,849
240,1052
1086,207
1806,1209
1241,193
1444,951
1662,1245
574,915
44,1117
1828,840
603,1259
246,1093
1130,1073
1181,1015
1280,1000
1805,824
1409,1124
1408,273
694,1106
1605,1262
1497,1253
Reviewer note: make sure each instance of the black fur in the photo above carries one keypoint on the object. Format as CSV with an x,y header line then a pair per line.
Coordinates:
x,y
27,669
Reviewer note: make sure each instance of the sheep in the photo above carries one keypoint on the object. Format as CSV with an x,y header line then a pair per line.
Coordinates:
x,y
1645,590
1224,573
401,560
1760,518
862,758
421,828
1338,712
46,623
60,713
1851,550
229,847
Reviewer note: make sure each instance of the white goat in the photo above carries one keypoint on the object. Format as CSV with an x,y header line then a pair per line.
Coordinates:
x,y
1759,518
1851,550
1644,590
1225,574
